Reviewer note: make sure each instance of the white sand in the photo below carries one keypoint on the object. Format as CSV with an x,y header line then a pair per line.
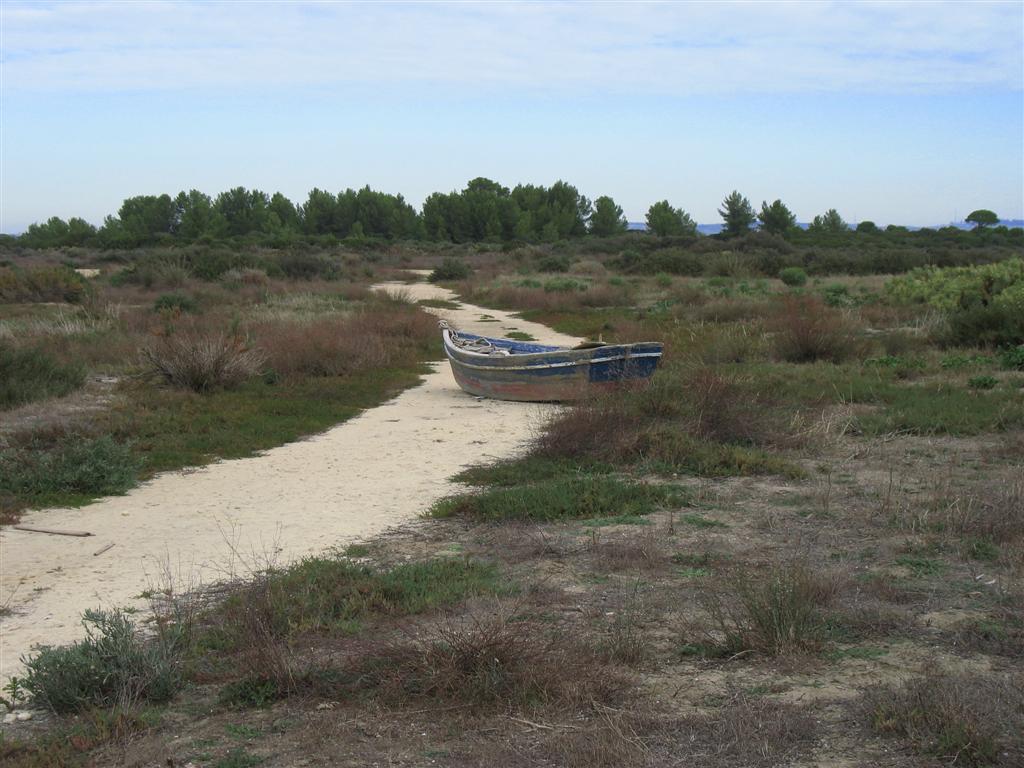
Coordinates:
x,y
377,470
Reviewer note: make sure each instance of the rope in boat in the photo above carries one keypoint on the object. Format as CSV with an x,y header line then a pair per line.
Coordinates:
x,y
479,345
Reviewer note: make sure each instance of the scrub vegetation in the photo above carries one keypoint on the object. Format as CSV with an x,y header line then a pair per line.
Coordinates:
x,y
801,543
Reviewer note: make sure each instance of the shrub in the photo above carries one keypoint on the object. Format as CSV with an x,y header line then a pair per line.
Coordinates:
x,y
112,667
1012,358
175,302
838,295
43,283
564,285
805,330
794,277
32,374
75,465
203,362
672,261
451,269
553,263
982,382
300,265
985,325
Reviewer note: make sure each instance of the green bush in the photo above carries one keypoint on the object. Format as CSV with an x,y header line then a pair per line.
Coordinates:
x,y
111,667
31,374
306,266
37,284
79,466
451,269
982,382
175,302
1012,358
563,285
794,277
986,325
1000,285
553,263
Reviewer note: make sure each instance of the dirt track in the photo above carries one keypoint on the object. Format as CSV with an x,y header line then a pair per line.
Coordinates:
x,y
377,470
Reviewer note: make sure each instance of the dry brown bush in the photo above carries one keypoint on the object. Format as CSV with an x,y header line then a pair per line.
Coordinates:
x,y
805,330
491,661
202,361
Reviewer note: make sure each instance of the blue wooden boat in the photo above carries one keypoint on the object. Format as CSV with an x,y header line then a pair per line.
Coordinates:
x,y
514,370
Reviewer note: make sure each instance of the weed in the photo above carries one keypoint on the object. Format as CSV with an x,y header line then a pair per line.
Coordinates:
x,y
920,566
250,692
775,613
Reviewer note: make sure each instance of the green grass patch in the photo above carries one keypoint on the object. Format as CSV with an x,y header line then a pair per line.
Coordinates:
x,y
336,595
32,374
866,653
699,521
519,336
439,303
920,566
529,469
174,429
692,573
561,499
74,470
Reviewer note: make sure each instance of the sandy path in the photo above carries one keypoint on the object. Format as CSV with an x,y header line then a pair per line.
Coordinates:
x,y
354,480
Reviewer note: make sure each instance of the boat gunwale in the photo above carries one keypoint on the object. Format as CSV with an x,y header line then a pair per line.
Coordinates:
x,y
523,360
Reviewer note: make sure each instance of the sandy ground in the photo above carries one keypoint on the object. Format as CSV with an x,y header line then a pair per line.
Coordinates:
x,y
202,525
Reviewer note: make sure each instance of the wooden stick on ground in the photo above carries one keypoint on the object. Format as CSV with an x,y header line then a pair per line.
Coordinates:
x,y
103,549
54,531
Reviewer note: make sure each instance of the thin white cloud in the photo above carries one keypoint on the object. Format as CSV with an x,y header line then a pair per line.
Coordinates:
x,y
675,48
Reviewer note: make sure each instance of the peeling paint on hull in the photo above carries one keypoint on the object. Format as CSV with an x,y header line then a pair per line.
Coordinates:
x,y
535,373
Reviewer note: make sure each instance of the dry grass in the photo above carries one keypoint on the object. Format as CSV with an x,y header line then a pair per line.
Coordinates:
x,y
750,731
343,344
964,718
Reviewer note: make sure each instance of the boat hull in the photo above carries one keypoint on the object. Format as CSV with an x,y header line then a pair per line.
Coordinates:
x,y
536,373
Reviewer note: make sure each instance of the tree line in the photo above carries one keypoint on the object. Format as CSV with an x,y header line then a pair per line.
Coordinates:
x,y
483,211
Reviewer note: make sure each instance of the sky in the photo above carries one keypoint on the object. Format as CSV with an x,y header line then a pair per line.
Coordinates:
x,y
907,113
